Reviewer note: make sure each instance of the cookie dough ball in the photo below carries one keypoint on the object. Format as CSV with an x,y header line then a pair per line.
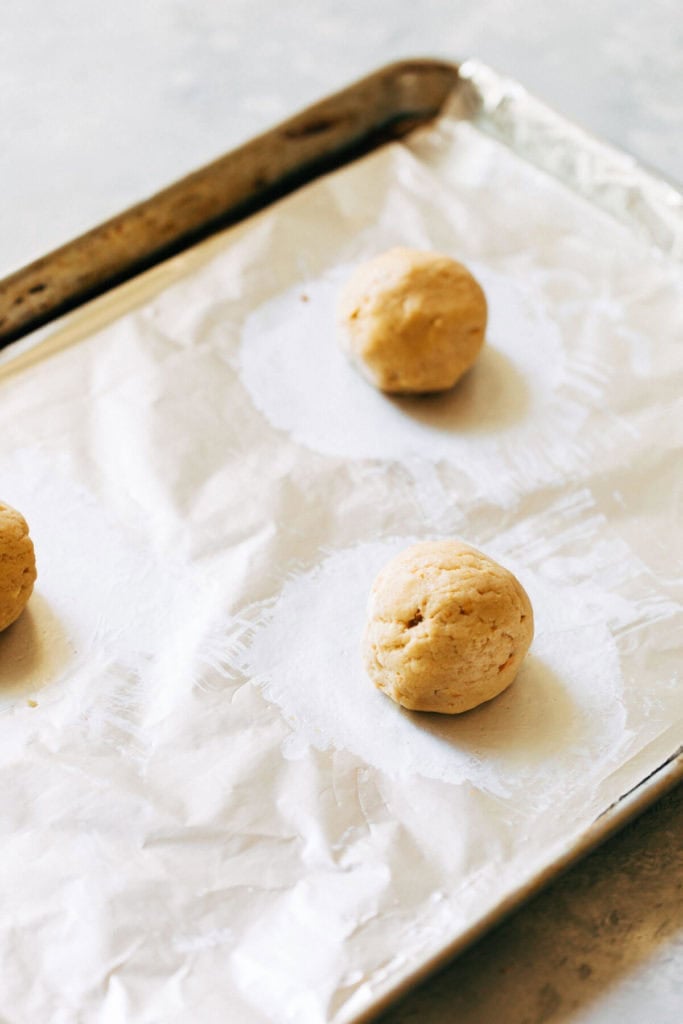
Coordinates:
x,y
447,628
412,321
17,565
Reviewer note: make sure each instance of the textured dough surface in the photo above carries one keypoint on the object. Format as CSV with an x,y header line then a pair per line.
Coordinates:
x,y
412,321
17,565
447,628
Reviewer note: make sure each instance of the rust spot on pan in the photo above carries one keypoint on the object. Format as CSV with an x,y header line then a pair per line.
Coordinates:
x,y
308,128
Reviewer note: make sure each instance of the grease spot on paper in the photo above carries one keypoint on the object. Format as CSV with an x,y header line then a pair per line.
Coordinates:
x,y
506,417
102,602
561,717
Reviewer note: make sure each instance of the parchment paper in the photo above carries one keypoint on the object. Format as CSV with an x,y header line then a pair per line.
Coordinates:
x,y
208,813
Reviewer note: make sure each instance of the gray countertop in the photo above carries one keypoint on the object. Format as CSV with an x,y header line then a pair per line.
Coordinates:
x,y
603,944
101,109
104,105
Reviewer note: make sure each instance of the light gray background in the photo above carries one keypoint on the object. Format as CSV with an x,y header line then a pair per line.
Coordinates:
x,y
103,104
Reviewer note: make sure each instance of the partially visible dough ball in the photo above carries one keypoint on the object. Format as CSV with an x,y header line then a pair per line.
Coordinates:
x,y
412,321
17,565
447,628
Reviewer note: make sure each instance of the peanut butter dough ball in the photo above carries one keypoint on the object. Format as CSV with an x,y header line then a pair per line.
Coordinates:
x,y
447,628
412,321
17,565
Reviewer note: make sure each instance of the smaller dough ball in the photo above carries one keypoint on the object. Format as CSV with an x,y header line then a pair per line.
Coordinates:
x,y
447,628
17,565
412,321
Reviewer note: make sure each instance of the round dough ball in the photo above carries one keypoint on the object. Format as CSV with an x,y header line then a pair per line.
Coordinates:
x,y
17,565
412,321
448,628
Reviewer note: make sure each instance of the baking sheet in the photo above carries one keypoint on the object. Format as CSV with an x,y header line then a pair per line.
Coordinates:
x,y
210,808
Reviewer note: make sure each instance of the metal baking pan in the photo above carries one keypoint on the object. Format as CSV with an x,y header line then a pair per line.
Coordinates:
x,y
384,106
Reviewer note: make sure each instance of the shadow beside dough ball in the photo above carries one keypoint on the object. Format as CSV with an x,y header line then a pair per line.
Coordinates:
x,y
491,396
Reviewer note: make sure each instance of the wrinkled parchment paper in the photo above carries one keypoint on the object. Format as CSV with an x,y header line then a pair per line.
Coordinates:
x,y
208,813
